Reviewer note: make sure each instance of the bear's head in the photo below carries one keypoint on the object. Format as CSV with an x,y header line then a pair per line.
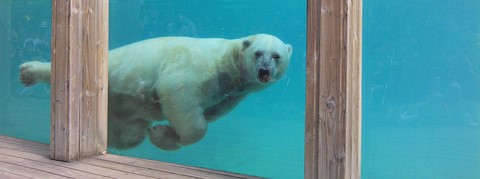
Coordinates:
x,y
266,58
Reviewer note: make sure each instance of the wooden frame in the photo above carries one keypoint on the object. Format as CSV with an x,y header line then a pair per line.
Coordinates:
x,y
79,79
333,112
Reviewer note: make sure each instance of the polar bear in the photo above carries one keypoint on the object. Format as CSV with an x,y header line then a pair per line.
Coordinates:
x,y
188,82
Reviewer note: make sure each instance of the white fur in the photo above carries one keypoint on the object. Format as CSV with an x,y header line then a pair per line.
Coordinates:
x,y
187,81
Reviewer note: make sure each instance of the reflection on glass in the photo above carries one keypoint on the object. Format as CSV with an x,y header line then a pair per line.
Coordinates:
x,y
24,36
421,89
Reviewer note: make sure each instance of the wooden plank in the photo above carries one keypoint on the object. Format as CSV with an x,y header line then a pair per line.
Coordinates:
x,y
60,87
325,122
312,106
5,174
46,167
24,171
22,142
23,145
95,78
328,85
28,149
354,90
108,166
79,79
154,173
81,169
173,168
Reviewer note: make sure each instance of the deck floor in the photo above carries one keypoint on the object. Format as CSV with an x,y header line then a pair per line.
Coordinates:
x,y
26,159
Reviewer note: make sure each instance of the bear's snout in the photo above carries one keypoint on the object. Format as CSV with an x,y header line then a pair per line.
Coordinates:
x,y
263,75
265,69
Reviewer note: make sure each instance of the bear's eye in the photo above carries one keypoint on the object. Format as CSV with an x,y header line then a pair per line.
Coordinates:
x,y
246,44
258,54
275,57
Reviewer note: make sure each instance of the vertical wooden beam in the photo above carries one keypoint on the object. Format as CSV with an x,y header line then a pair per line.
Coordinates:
x,y
312,91
79,78
354,89
332,141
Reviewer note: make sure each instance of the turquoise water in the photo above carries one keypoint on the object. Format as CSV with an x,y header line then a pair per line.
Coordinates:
x,y
263,136
24,35
421,89
421,83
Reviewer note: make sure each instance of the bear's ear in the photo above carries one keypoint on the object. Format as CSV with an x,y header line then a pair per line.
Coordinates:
x,y
246,44
289,50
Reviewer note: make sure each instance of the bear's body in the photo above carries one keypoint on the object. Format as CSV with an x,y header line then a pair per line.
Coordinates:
x,y
187,81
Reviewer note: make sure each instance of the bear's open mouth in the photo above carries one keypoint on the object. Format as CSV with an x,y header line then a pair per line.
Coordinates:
x,y
263,75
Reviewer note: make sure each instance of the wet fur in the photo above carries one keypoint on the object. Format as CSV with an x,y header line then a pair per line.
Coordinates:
x,y
170,79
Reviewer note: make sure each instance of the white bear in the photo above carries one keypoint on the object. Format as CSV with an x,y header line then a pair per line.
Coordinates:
x,y
187,81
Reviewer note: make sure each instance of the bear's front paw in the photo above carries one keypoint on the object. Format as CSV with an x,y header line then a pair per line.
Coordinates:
x,y
27,73
164,137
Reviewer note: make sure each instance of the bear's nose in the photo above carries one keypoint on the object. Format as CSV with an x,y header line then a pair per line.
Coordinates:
x,y
265,63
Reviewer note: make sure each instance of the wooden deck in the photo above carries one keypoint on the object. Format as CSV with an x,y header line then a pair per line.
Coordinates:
x,y
26,159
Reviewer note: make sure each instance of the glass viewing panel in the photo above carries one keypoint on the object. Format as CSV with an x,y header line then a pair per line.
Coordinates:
x,y
25,28
188,81
421,89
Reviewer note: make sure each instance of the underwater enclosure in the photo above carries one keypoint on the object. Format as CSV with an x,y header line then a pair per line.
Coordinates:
x,y
262,135
25,32
421,89
421,100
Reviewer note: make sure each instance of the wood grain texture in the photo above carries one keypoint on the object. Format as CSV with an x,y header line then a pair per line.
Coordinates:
x,y
331,125
79,80
354,89
311,122
33,161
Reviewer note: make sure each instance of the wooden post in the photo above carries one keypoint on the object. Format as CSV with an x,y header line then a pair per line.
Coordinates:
x,y
332,134
353,114
79,79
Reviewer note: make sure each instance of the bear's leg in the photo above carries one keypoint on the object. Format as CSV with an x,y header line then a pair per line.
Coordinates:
x,y
164,137
34,72
216,111
187,124
167,138
126,133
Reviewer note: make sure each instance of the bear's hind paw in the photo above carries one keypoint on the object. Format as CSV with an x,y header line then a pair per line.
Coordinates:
x,y
164,137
